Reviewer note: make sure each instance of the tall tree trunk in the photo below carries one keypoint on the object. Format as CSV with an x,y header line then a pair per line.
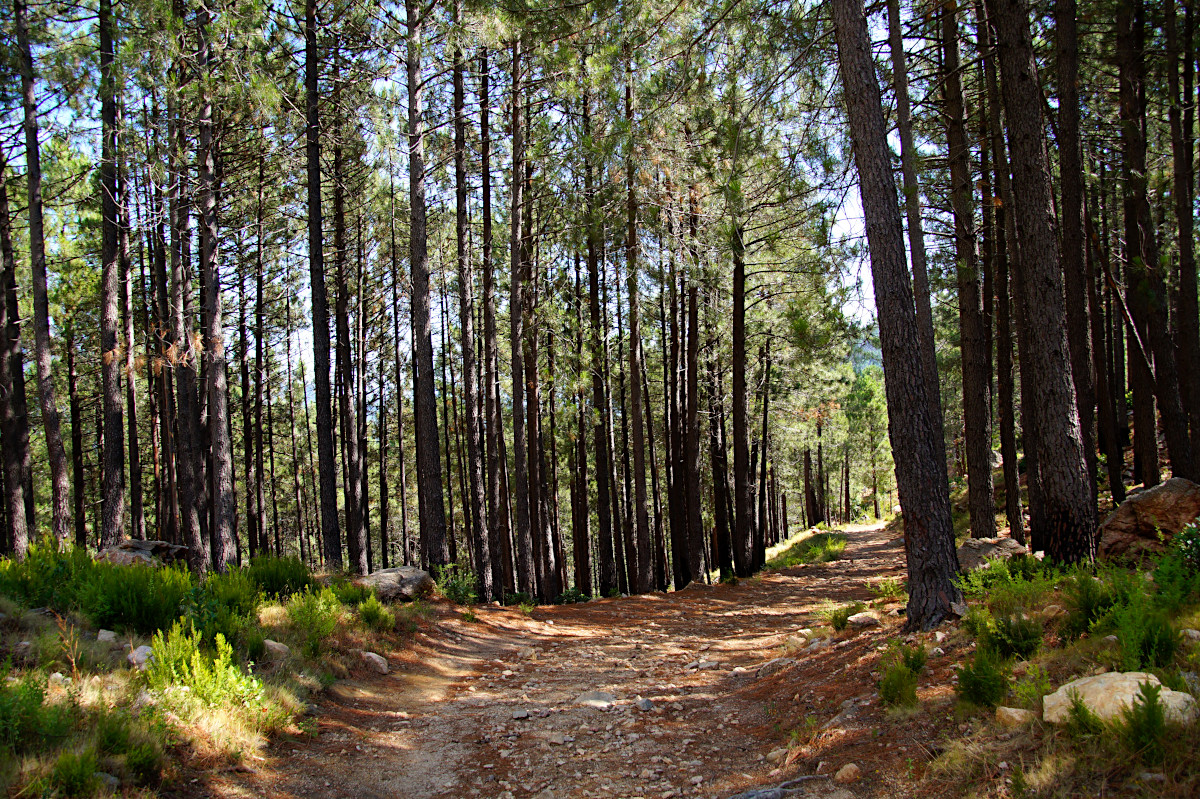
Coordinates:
x,y
1187,314
921,474
260,377
1005,253
466,283
1068,511
248,474
580,515
224,504
607,566
720,475
347,394
916,234
434,548
1073,253
497,524
760,538
14,421
976,383
695,526
331,539
743,543
60,513
645,572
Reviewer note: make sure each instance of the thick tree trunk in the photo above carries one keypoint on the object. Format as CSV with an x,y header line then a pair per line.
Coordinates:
x,y
695,528
916,235
1187,315
248,474
224,502
920,475
435,551
466,284
760,532
976,376
14,421
331,539
743,496
60,513
1070,156
720,476
1068,513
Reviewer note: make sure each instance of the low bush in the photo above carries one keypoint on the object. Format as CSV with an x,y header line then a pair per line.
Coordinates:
x,y
314,616
898,688
74,774
889,588
1143,726
279,577
1088,599
820,548
375,615
1146,636
1032,687
571,596
983,681
1187,544
839,617
50,575
213,681
913,657
26,721
979,622
1014,636
457,583
350,594
144,763
112,733
1176,581
1081,721
138,598
225,604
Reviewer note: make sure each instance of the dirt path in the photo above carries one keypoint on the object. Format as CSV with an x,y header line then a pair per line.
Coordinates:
x,y
489,708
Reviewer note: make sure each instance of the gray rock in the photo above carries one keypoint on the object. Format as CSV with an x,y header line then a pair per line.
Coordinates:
x,y
107,780
974,552
376,662
816,643
958,609
774,667
400,583
1109,695
644,704
106,637
1014,716
601,700
1190,634
520,714
147,553
276,650
141,657
848,773
1148,520
864,619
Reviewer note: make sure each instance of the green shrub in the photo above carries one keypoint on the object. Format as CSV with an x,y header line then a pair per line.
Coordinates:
x,y
1014,636
913,657
144,763
350,594
225,604
214,681
1088,599
375,615
1143,726
898,688
1032,687
839,617
571,596
138,598
26,721
1187,544
50,575
314,616
279,577
820,548
889,588
74,774
1081,721
457,583
983,681
517,598
979,622
1176,582
1146,636
112,733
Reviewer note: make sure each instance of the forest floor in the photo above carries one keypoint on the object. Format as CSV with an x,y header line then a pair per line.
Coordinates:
x,y
488,708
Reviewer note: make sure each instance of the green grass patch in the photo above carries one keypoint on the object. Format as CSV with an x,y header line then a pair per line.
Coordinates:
x,y
820,548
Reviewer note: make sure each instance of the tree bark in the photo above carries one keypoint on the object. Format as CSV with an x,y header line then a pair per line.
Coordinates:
x,y
1068,511
14,421
60,513
435,551
976,375
331,539
921,474
743,496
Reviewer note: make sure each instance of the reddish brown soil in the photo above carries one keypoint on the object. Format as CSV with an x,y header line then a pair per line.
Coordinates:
x,y
442,722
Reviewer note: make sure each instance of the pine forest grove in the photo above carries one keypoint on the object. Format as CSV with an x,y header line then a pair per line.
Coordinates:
x,y
592,298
